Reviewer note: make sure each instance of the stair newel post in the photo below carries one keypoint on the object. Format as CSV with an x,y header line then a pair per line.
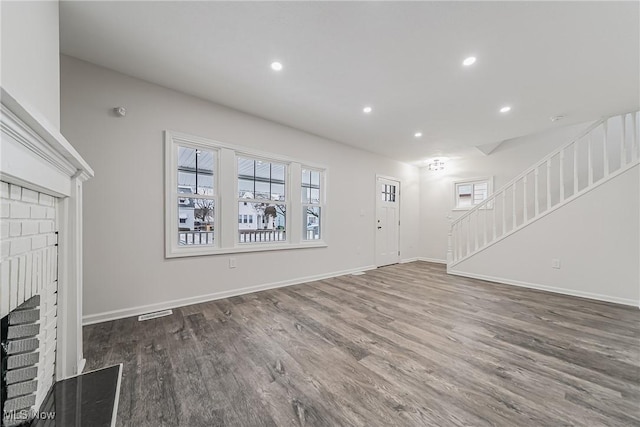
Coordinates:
x,y
623,141
484,226
634,122
468,235
525,214
513,205
493,214
605,153
562,176
575,168
536,191
548,184
460,241
504,211
477,226
589,158
450,241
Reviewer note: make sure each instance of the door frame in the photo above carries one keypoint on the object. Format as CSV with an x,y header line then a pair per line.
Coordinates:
x,y
375,214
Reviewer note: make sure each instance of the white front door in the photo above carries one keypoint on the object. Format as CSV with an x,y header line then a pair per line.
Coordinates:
x,y
387,221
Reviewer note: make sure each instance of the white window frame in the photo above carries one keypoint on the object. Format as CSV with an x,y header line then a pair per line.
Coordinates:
x,y
322,221
287,196
226,199
172,247
472,181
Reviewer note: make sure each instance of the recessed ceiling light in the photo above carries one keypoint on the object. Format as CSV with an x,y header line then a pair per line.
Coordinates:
x,y
276,66
505,109
367,109
417,134
469,61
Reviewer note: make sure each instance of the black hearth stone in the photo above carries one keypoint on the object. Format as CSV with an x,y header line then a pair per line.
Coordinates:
x,y
87,400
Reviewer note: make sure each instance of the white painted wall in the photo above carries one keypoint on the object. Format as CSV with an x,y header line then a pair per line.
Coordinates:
x,y
595,237
30,68
125,269
506,162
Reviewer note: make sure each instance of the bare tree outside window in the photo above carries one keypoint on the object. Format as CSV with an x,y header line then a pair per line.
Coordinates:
x,y
204,211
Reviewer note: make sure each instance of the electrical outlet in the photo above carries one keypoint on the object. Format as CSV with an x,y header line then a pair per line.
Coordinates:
x,y
555,263
232,263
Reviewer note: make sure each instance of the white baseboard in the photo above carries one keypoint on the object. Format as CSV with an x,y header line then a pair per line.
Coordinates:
x,y
434,260
142,309
406,260
563,291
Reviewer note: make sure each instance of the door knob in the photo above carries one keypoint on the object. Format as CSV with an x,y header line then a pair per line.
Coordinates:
x,y
379,227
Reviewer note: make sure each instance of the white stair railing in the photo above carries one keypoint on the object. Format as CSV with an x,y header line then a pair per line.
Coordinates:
x,y
605,149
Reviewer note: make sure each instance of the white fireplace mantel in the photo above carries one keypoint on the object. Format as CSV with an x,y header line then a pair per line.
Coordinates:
x,y
35,155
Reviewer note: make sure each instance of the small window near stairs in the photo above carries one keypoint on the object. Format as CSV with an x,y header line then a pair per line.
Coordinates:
x,y
468,194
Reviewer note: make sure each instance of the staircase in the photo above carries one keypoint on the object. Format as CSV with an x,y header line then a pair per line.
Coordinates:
x,y
603,151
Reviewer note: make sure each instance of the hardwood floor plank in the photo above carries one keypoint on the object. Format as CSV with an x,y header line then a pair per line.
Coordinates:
x,y
404,345
478,318
220,362
428,354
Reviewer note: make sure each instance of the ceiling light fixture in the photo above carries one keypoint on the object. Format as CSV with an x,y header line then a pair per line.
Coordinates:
x,y
469,61
276,66
556,118
417,134
435,164
505,109
367,109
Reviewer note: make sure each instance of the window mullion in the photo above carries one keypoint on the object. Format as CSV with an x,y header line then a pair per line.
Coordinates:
x,y
294,216
227,189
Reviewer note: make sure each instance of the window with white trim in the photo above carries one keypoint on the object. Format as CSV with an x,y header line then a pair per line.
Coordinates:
x,y
262,192
195,179
209,185
312,201
468,194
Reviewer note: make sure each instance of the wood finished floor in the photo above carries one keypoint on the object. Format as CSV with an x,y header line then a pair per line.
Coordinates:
x,y
404,345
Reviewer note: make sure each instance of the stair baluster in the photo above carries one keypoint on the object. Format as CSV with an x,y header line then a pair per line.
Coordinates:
x,y
467,227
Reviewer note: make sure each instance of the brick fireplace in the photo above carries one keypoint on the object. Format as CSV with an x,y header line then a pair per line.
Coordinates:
x,y
29,284
41,177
